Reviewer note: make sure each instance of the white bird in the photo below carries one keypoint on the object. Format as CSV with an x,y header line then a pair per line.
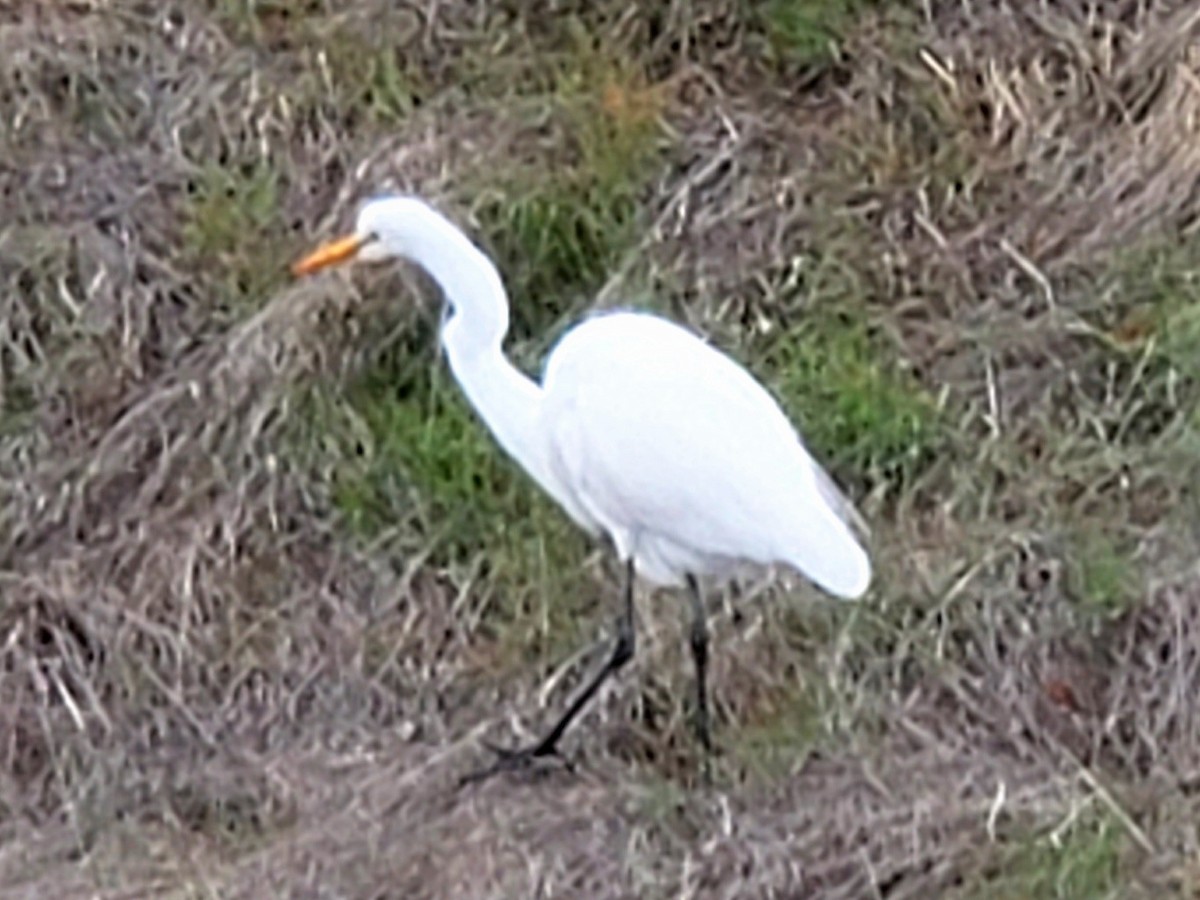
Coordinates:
x,y
640,430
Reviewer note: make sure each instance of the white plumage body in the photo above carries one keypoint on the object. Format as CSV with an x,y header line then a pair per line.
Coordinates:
x,y
668,446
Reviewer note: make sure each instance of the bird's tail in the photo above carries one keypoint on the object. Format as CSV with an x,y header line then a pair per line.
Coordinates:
x,y
824,542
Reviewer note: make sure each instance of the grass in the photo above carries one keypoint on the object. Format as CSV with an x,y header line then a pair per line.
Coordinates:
x,y
408,452
1131,422
17,405
254,20
806,32
778,734
231,226
368,74
1148,315
559,223
420,431
1103,577
1133,418
45,277
850,394
252,526
358,69
1084,862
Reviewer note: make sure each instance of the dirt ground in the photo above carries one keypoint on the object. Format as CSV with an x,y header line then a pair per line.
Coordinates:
x,y
265,583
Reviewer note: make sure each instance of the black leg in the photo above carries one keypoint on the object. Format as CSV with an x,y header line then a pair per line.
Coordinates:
x,y
699,642
622,652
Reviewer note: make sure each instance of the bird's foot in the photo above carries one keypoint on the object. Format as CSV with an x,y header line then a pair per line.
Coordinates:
x,y
520,759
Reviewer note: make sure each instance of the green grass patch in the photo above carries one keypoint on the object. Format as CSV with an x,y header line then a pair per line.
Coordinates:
x,y
1082,864
793,704
853,400
554,242
805,32
368,75
1158,335
407,452
232,231
562,219
261,21
1149,306
1138,399
18,404
775,738
354,70
1103,577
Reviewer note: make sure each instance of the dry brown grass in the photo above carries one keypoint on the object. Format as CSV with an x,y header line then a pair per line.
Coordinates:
x,y
212,685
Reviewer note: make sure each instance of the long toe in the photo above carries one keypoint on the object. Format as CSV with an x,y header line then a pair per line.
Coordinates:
x,y
518,759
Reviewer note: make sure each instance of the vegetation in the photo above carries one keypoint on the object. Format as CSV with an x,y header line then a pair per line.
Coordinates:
x,y
267,580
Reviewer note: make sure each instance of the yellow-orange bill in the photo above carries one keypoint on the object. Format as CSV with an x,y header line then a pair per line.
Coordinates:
x,y
328,255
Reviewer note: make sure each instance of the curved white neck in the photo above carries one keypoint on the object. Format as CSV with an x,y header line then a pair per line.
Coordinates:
x,y
507,400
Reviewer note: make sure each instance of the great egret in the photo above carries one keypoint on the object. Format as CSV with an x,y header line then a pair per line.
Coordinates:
x,y
640,430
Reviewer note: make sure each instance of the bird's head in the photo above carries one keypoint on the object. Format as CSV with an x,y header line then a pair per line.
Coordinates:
x,y
383,230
